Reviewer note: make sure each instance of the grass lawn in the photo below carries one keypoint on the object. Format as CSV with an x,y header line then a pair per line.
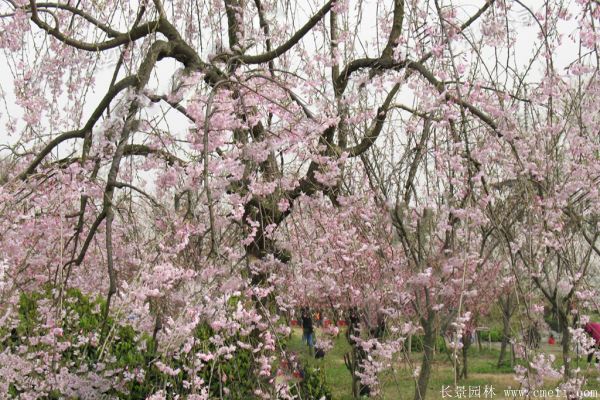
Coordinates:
x,y
399,384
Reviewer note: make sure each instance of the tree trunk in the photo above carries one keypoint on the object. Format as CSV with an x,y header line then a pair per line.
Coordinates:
x,y
351,361
513,359
507,312
428,343
505,335
354,358
566,339
465,350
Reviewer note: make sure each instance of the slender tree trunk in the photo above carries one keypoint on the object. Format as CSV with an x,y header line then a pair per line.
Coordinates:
x,y
512,355
428,343
505,333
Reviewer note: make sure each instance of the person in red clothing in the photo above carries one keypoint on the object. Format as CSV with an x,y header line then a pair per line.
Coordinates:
x,y
551,339
593,329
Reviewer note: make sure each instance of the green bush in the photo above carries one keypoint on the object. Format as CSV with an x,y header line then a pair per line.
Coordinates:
x,y
126,351
313,386
417,343
496,335
82,320
552,322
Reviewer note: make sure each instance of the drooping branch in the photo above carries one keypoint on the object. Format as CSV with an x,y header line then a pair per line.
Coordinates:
x,y
419,151
88,240
74,10
394,36
439,85
134,34
386,63
80,133
361,63
121,185
144,150
158,50
209,200
296,37
374,131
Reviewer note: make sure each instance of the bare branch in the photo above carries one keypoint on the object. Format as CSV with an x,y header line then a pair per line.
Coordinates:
x,y
377,126
80,133
271,55
118,40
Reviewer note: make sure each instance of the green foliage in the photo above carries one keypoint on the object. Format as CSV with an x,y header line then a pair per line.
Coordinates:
x,y
417,343
496,335
80,338
124,351
238,370
552,322
313,386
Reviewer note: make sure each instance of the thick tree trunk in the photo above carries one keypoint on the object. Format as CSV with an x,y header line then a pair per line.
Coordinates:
x,y
351,361
566,345
507,312
428,343
354,358
465,351
566,349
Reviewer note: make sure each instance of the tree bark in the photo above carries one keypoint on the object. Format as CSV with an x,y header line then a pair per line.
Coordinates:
x,y
566,345
465,350
506,314
428,343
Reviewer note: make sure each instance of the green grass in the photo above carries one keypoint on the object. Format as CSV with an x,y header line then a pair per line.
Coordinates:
x,y
398,384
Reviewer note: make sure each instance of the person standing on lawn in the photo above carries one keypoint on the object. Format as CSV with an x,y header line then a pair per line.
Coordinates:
x,y
308,332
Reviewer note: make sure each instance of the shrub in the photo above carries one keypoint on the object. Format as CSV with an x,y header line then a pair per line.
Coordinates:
x,y
496,335
69,361
313,386
417,343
